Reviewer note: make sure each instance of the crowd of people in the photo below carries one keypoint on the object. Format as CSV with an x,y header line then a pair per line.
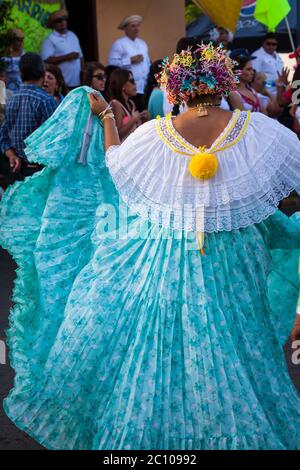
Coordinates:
x,y
37,84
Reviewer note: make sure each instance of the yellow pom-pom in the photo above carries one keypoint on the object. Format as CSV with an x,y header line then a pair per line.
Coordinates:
x,y
203,165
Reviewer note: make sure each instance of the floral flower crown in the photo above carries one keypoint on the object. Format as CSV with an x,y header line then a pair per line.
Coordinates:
x,y
205,71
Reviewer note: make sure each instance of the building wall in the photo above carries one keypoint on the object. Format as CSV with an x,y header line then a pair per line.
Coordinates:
x,y
163,24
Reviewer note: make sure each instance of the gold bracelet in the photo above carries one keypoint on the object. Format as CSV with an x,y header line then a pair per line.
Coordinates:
x,y
107,110
109,116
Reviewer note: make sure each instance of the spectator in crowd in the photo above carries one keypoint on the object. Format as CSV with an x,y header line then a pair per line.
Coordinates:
x,y
25,112
122,89
268,61
131,53
94,76
245,97
292,98
109,70
267,100
5,94
221,35
285,89
54,83
154,96
12,59
296,85
62,48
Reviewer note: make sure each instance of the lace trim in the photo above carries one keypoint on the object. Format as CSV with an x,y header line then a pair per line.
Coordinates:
x,y
277,160
233,132
215,145
207,219
226,208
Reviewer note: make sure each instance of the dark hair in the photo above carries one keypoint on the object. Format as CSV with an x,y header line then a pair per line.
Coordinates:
x,y
242,57
184,43
89,70
117,80
110,69
62,87
242,62
31,67
151,80
270,36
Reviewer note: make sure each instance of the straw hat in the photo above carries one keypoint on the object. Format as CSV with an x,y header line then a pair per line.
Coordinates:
x,y
55,16
130,19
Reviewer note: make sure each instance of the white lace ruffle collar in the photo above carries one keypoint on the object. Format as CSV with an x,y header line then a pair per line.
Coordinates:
x,y
259,164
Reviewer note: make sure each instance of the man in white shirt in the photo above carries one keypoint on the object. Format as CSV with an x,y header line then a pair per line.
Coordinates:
x,y
268,61
62,48
131,53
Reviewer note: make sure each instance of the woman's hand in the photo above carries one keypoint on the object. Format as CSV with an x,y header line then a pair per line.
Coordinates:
x,y
295,334
136,116
98,104
144,115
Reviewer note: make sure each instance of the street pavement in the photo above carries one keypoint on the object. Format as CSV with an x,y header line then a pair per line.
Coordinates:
x,y
12,438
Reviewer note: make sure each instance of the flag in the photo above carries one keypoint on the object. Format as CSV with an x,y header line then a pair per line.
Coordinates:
x,y
222,12
271,12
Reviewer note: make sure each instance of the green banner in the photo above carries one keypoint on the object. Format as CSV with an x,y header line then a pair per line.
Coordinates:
x,y
31,16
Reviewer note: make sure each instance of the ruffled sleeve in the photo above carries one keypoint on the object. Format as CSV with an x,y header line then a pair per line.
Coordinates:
x,y
259,165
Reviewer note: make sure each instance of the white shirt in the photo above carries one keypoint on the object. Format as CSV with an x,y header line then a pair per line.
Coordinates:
x,y
224,104
270,64
57,44
264,100
120,54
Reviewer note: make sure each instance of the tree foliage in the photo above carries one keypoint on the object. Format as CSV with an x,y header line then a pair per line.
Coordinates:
x,y
192,11
5,24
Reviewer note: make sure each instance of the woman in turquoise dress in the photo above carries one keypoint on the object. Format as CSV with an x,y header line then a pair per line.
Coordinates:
x,y
164,336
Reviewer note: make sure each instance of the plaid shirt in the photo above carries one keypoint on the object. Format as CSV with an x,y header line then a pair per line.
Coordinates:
x,y
26,110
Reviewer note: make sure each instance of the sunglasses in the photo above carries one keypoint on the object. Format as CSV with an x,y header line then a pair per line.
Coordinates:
x,y
100,76
274,44
132,80
61,20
